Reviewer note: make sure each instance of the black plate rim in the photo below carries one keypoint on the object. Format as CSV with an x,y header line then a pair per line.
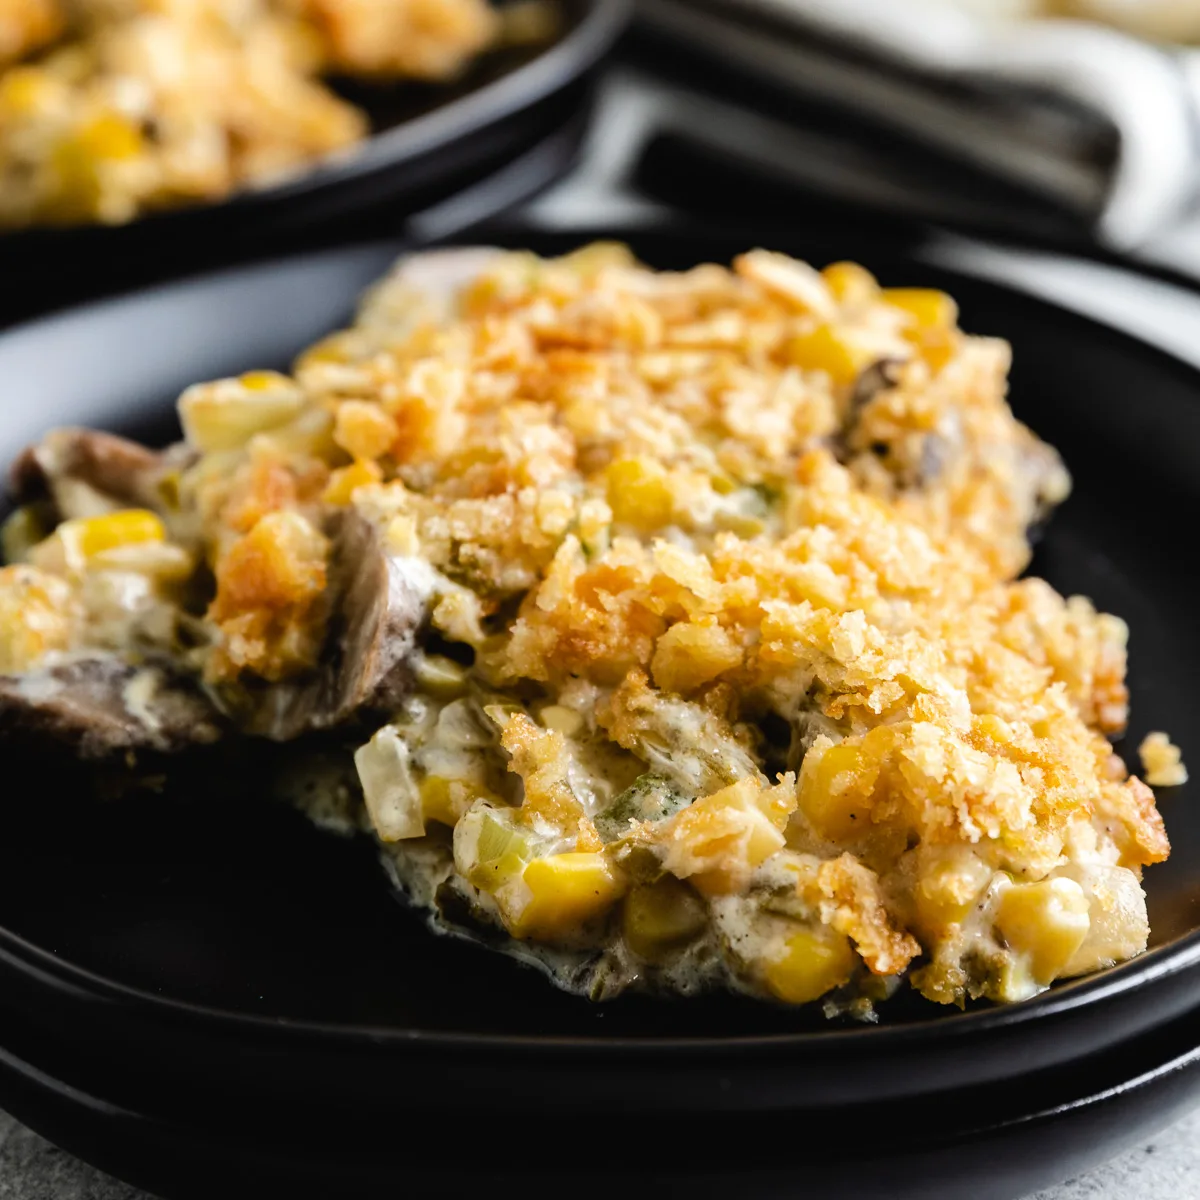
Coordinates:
x,y
570,57
553,68
1140,973
16,1063
1147,969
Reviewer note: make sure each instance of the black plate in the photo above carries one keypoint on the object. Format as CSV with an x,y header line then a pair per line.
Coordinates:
x,y
988,1144
210,937
520,179
428,141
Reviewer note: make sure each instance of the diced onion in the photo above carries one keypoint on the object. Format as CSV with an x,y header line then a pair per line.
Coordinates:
x,y
393,800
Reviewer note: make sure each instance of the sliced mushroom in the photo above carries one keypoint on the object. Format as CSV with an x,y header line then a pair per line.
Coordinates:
x,y
85,472
101,706
365,667
881,376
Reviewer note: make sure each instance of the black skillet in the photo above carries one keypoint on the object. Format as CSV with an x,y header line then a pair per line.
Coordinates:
x,y
214,949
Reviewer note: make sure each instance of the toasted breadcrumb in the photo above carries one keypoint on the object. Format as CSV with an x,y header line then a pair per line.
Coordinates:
x,y
36,617
1162,761
269,583
28,25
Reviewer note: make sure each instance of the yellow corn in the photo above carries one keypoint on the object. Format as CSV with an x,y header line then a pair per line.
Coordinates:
x,y
364,430
836,785
94,535
936,345
346,480
826,349
1047,922
639,493
948,889
813,962
78,163
438,801
660,917
850,283
994,728
928,308
261,381
110,136
559,893
933,324
24,90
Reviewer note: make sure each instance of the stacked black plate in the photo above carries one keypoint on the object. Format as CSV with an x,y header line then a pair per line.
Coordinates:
x,y
206,996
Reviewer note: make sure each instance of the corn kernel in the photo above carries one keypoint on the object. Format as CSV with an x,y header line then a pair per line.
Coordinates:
x,y
442,801
110,136
94,535
814,961
1047,922
1162,761
850,283
639,493
261,381
836,785
660,917
928,308
994,728
402,536
25,90
950,884
828,350
935,345
559,893
345,481
364,430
